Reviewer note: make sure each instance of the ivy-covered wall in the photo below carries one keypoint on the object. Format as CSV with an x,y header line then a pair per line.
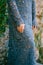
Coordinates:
x,y
3,17
39,30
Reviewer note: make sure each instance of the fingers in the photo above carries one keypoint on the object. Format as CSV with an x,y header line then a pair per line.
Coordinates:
x,y
21,28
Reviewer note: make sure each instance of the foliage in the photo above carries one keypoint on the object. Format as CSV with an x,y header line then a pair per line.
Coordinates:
x,y
3,16
39,32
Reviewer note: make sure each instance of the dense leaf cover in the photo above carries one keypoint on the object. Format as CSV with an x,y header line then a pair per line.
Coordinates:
x,y
2,15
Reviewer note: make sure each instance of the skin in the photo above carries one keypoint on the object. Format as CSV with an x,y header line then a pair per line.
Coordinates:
x,y
33,27
21,28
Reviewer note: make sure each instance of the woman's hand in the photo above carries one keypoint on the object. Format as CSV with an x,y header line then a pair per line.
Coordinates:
x,y
35,30
21,28
33,27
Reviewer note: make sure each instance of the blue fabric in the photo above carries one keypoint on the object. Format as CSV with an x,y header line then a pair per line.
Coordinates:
x,y
22,11
21,45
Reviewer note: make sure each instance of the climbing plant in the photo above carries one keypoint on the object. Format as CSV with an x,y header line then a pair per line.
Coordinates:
x,y
3,16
